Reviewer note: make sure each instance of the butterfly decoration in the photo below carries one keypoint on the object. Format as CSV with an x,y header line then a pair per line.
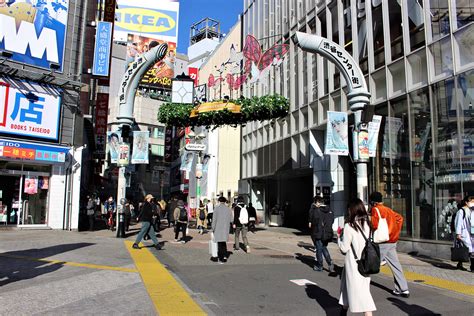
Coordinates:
x,y
212,82
258,63
230,80
235,81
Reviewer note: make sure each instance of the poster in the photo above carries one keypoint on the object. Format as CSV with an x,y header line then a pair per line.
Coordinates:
x,y
124,154
113,141
363,144
374,128
31,185
337,142
390,146
187,161
140,147
43,183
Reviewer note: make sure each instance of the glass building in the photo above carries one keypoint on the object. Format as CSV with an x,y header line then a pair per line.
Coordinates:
x,y
417,58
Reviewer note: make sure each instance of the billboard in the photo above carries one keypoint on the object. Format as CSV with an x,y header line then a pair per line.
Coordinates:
x,y
152,19
29,113
34,31
162,72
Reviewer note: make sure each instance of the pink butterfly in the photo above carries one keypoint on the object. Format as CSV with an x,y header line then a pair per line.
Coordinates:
x,y
211,82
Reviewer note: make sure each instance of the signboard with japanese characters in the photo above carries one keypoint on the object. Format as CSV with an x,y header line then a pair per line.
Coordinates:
x,y
31,114
34,31
101,110
30,151
103,41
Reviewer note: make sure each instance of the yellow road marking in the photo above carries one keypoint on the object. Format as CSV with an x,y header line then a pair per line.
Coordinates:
x,y
433,281
72,264
168,296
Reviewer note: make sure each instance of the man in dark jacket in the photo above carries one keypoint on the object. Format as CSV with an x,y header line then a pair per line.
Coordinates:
x,y
252,217
146,216
321,219
241,224
170,207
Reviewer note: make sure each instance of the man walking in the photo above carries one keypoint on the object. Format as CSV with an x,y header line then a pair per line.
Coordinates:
x,y
91,212
181,219
146,216
388,250
220,228
241,224
170,207
321,219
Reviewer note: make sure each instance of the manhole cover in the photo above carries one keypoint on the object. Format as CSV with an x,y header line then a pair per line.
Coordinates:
x,y
280,256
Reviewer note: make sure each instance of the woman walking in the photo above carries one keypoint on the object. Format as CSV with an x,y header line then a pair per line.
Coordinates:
x,y
146,216
355,288
201,216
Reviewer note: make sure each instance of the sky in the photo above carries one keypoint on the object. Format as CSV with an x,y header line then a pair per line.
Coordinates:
x,y
192,11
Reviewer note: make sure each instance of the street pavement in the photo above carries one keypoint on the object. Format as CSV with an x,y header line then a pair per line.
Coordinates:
x,y
59,272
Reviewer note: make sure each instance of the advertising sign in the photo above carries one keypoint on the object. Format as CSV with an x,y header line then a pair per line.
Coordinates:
x,y
31,151
363,145
194,73
162,72
102,48
337,142
101,110
113,141
168,143
34,31
124,154
27,113
140,147
187,161
374,128
153,19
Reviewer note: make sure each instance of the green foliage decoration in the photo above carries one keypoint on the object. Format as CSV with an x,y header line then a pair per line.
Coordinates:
x,y
269,107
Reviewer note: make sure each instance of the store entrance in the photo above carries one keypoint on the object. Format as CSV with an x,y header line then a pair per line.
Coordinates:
x,y
9,199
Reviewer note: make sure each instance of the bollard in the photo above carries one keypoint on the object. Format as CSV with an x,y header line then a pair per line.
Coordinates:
x,y
121,219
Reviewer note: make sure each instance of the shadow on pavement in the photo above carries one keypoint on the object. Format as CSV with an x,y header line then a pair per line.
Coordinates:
x,y
411,309
329,303
380,286
434,262
307,246
24,264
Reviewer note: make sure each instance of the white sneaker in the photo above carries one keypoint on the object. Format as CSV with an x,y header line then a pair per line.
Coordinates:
x,y
383,262
248,249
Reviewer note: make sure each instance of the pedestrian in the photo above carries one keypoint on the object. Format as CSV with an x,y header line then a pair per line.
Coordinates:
x,y
127,211
241,224
181,219
201,217
171,206
210,210
155,222
110,209
321,219
146,216
464,228
388,250
252,217
355,288
91,212
220,228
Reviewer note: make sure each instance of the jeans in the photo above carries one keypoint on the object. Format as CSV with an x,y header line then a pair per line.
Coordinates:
x,y
180,226
244,230
222,250
143,230
321,250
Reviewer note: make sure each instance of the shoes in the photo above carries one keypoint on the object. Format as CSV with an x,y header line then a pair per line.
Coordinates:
x,y
176,240
460,267
405,294
317,268
135,246
158,247
248,249
383,262
331,268
182,242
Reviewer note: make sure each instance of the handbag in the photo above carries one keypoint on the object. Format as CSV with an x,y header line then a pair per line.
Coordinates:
x,y
381,234
459,252
212,247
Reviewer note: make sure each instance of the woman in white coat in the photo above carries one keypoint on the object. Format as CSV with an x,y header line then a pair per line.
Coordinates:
x,y
465,227
355,288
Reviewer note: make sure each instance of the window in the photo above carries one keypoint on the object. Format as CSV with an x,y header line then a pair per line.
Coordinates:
x,y
158,150
439,14
379,40
396,32
416,24
159,132
464,12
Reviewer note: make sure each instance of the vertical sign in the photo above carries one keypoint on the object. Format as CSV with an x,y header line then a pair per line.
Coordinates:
x,y
337,142
101,110
374,128
168,143
103,41
193,73
109,11
140,147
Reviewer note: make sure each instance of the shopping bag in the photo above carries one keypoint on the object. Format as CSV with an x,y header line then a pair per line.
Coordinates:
x,y
381,234
459,252
212,247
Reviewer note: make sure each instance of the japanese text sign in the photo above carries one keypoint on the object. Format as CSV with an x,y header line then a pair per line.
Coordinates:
x,y
101,111
345,60
31,114
103,39
31,151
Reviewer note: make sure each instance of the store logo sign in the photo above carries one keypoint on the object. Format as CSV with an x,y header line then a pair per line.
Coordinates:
x,y
143,20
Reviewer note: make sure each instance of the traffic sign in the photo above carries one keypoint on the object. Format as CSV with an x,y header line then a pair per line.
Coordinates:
x,y
195,147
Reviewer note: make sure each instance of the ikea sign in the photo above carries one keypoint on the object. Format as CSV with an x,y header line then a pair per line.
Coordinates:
x,y
155,19
34,31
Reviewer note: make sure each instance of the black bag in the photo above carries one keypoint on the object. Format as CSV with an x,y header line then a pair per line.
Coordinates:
x,y
369,262
459,252
202,215
327,231
183,214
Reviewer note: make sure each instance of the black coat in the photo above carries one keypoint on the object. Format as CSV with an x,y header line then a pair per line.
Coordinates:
x,y
321,219
146,214
237,209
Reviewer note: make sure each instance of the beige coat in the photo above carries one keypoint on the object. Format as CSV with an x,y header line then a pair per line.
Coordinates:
x,y
200,222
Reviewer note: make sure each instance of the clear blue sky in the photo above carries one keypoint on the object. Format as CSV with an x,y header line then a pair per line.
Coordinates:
x,y
192,11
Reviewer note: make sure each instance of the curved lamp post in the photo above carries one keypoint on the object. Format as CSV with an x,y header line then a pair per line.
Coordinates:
x,y
358,96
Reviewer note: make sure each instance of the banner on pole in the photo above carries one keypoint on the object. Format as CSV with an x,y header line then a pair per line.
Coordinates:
x,y
113,141
141,140
337,134
374,128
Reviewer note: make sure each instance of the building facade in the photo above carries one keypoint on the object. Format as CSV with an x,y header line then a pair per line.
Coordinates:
x,y
419,67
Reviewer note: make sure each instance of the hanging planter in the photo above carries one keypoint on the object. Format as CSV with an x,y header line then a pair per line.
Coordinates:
x,y
221,113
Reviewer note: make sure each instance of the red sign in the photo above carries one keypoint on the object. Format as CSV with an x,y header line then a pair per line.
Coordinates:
x,y
187,131
194,74
101,112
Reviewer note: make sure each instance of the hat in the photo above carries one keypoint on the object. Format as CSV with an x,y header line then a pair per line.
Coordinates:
x,y
222,199
240,199
149,196
376,197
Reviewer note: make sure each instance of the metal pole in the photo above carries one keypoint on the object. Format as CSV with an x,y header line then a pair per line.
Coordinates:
x,y
198,182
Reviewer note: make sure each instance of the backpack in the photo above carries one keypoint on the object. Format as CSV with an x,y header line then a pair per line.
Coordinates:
x,y
327,231
244,215
202,215
369,262
183,214
453,220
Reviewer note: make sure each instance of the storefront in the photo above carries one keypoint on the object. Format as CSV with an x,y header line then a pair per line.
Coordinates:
x,y
29,188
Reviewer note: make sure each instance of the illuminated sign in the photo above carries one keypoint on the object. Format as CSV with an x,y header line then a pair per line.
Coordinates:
x,y
34,31
29,113
31,151
153,19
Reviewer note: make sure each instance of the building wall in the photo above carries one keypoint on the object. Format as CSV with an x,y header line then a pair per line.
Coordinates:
x,y
418,65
